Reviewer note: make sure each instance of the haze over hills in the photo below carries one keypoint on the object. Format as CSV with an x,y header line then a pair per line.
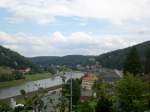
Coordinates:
x,y
114,59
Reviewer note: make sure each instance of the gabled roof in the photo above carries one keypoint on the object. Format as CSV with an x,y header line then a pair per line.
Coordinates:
x,y
90,78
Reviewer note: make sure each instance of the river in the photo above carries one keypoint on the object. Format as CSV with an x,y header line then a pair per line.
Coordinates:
x,y
34,85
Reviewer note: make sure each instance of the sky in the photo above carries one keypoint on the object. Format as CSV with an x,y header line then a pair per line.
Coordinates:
x,y
65,27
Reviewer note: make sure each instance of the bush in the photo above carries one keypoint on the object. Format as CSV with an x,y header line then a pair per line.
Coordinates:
x,y
132,94
8,74
4,107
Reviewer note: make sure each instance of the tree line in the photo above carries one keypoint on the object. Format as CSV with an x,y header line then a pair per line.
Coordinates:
x,y
9,74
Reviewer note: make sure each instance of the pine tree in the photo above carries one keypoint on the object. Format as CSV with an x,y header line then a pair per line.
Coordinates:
x,y
147,62
132,63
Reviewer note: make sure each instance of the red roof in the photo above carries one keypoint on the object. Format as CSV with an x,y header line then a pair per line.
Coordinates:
x,y
90,78
84,98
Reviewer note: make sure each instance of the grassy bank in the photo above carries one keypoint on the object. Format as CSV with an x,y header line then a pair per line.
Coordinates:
x,y
28,78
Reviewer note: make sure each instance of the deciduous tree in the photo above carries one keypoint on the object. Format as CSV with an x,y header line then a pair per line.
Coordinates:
x,y
132,94
132,63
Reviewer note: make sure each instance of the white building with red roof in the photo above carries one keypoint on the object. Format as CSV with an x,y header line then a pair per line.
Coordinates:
x,y
88,82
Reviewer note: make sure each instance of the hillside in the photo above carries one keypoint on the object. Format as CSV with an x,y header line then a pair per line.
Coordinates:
x,y
69,60
115,59
13,59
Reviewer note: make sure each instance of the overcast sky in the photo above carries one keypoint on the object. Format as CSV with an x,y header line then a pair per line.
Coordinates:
x,y
64,27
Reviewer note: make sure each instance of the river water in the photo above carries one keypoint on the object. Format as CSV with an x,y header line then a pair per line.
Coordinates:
x,y
34,85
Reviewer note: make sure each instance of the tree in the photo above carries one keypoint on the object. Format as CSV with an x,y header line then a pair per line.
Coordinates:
x,y
9,74
147,62
18,75
104,96
34,102
147,68
104,105
4,107
132,63
97,86
62,105
76,90
132,94
87,106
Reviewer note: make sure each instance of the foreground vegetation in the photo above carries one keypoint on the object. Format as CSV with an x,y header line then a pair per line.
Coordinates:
x,y
130,94
28,77
9,74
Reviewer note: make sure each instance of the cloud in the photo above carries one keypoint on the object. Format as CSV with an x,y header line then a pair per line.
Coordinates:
x,y
74,43
46,11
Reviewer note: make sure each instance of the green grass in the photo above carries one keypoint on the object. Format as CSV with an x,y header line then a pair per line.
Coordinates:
x,y
28,78
39,76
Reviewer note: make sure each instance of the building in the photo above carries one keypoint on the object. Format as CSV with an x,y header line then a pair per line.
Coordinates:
x,y
25,70
87,88
88,82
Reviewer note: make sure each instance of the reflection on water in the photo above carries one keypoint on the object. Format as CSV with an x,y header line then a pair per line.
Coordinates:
x,y
34,85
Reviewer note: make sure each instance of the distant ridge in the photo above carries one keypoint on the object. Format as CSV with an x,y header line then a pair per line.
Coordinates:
x,y
13,59
115,59
69,60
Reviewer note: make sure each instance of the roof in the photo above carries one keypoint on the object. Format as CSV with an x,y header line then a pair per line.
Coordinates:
x,y
90,78
84,98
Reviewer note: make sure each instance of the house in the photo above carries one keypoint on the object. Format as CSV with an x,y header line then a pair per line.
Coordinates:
x,y
87,87
88,82
25,70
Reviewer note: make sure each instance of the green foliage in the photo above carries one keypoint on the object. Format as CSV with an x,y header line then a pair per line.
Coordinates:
x,y
62,105
4,107
104,98
51,68
18,75
132,63
34,102
116,59
28,78
70,60
19,109
147,62
97,86
88,106
104,105
76,90
8,74
132,94
13,59
23,92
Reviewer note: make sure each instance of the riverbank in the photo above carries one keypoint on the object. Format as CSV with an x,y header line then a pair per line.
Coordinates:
x,y
19,98
28,78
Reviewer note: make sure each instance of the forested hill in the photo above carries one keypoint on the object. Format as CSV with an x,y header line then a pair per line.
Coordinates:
x,y
13,59
69,60
115,59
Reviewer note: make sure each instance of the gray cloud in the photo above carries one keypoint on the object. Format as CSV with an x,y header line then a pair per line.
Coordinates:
x,y
46,11
75,43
